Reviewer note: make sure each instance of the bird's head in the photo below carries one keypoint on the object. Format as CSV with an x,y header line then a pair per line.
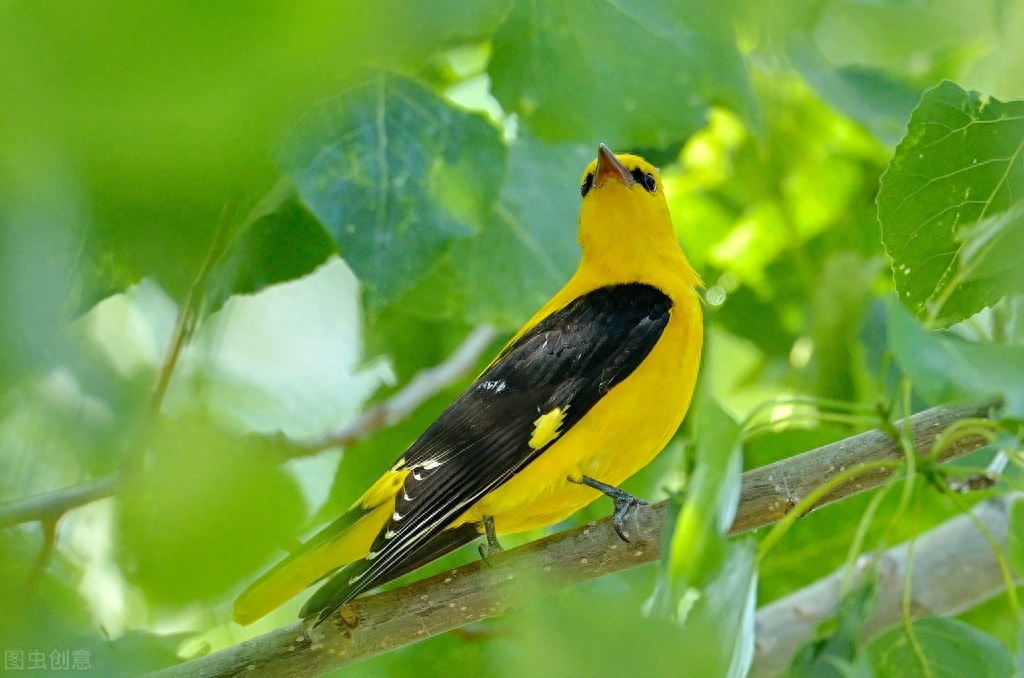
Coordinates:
x,y
624,215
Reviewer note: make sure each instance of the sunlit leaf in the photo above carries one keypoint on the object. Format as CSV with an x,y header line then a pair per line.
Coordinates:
x,y
940,648
960,164
628,74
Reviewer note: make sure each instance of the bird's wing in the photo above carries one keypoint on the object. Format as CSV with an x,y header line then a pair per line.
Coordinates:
x,y
566,362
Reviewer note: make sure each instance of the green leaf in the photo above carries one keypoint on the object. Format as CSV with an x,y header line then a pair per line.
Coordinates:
x,y
528,249
209,511
634,74
697,546
991,250
1015,536
282,245
834,654
877,100
960,164
719,630
397,175
944,367
941,648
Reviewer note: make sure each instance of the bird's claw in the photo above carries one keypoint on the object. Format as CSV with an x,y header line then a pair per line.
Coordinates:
x,y
623,505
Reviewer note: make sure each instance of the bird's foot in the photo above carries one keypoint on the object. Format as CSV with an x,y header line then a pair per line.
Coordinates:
x,y
624,503
493,546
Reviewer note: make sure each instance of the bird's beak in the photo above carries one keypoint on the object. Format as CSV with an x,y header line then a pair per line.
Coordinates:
x,y
609,167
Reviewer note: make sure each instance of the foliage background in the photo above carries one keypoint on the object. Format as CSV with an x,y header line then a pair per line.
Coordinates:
x,y
384,178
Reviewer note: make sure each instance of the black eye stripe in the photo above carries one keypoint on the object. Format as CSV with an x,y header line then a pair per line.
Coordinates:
x,y
644,179
588,183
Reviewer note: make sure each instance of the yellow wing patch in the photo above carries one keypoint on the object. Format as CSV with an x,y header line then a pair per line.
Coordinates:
x,y
546,428
383,490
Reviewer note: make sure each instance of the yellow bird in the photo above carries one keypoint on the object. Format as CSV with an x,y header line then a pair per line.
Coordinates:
x,y
583,396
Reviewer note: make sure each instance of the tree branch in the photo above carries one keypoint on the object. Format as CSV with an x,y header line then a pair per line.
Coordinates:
x,y
50,506
424,385
953,569
397,617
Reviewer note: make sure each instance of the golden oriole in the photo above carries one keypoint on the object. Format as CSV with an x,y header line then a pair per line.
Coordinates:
x,y
583,396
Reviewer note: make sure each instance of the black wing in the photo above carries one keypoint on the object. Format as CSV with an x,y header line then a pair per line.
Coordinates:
x,y
569,360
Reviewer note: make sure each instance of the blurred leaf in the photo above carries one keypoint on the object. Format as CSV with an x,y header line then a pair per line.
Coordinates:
x,y
208,512
1015,537
835,652
871,96
630,75
948,647
944,367
168,112
719,629
41,223
597,630
837,311
396,174
697,545
959,164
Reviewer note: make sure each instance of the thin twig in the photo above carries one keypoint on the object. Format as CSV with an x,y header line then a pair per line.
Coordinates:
x,y
426,608
50,506
424,385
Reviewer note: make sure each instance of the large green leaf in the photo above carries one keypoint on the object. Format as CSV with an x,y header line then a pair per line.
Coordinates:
x,y
630,74
396,174
528,249
940,648
944,367
960,164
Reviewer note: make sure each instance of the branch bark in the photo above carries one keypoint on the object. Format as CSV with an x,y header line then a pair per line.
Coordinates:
x,y
50,506
397,617
953,568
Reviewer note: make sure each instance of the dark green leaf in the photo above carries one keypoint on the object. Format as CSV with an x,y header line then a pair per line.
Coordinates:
x,y
960,164
529,248
282,245
942,648
636,74
944,367
396,174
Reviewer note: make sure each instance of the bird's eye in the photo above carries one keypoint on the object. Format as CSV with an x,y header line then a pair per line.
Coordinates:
x,y
644,179
588,183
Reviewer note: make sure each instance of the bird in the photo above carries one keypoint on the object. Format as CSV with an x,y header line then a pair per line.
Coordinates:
x,y
588,392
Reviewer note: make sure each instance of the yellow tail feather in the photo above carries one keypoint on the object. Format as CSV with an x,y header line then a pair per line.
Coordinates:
x,y
294,574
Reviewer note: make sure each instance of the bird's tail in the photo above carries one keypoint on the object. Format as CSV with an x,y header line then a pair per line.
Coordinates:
x,y
345,540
